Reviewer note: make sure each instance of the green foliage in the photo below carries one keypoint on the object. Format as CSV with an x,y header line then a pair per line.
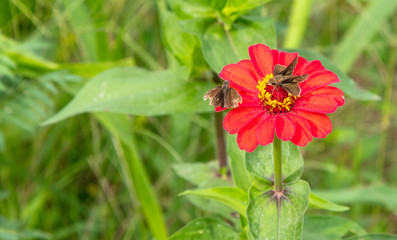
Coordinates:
x,y
271,218
317,202
260,164
379,195
330,227
136,91
235,198
270,215
206,229
113,173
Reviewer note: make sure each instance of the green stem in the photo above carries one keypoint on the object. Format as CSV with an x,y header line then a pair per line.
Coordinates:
x,y
278,176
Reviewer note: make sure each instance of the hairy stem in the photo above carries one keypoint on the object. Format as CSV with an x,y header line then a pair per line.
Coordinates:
x,y
278,176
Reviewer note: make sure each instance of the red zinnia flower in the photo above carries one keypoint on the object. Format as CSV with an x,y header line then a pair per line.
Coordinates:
x,y
265,110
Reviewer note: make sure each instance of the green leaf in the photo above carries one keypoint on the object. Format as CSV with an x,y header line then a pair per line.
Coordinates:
x,y
206,229
91,69
237,7
347,85
237,163
374,237
219,49
196,26
317,202
136,91
192,9
329,228
204,176
134,172
196,173
277,220
260,165
180,43
380,195
358,37
235,198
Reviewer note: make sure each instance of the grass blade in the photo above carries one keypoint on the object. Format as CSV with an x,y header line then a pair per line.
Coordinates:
x,y
119,126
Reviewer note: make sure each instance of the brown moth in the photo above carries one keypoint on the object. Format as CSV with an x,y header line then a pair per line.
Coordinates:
x,y
223,96
283,78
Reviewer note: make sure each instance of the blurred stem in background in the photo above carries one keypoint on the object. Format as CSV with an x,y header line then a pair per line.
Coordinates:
x,y
300,12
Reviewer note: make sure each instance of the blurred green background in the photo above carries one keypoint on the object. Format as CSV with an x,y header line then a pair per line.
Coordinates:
x,y
69,180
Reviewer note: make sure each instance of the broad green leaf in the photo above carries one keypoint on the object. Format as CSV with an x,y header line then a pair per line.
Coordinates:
x,y
216,5
134,172
278,220
91,69
235,198
358,37
204,176
219,49
180,43
196,173
260,166
136,91
192,9
317,202
329,228
347,85
196,26
374,237
380,195
237,163
237,7
206,229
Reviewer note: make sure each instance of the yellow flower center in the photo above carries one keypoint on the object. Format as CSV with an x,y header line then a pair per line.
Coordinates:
x,y
274,99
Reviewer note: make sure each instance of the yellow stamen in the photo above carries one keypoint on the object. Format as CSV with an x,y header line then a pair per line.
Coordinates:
x,y
274,102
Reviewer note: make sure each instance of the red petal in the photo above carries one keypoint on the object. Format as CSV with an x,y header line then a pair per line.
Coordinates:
x,y
329,91
285,58
249,99
248,65
318,79
285,127
320,124
262,58
300,66
320,104
265,131
220,109
302,133
308,68
246,138
275,53
237,118
239,76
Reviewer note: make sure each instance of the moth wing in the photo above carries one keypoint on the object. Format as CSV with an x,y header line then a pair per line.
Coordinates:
x,y
218,100
233,99
211,93
290,69
278,69
292,88
296,79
